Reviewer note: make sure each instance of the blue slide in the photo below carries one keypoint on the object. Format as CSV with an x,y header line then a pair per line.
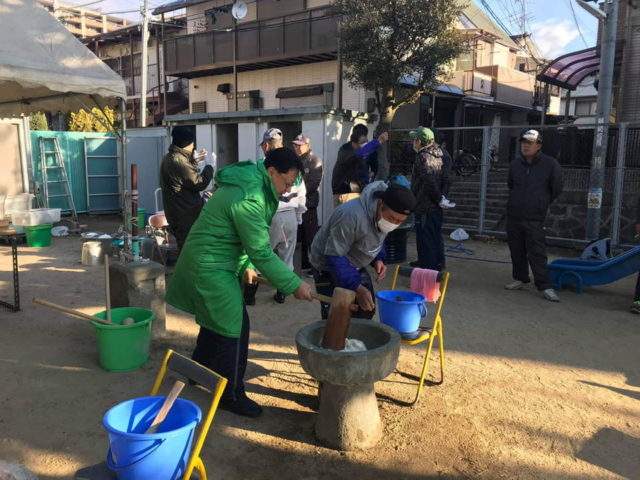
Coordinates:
x,y
588,273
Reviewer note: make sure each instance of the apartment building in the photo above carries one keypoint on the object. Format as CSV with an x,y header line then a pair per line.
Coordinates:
x,y
121,50
80,21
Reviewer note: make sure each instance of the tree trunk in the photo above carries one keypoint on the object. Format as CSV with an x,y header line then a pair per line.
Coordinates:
x,y
387,112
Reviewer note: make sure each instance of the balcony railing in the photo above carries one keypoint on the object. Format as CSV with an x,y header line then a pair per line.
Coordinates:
x,y
288,40
473,82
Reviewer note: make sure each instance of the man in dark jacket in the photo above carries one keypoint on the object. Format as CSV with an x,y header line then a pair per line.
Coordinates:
x,y
181,183
427,182
312,176
535,180
356,160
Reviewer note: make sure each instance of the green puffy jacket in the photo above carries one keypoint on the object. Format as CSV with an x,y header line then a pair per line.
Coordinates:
x,y
230,235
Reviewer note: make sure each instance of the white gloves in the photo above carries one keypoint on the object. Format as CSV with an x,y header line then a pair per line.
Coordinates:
x,y
445,203
299,218
211,160
200,155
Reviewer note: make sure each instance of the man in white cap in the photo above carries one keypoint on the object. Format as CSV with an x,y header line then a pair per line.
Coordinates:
x,y
535,180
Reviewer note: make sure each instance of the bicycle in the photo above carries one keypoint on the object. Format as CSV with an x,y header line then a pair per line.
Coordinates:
x,y
466,164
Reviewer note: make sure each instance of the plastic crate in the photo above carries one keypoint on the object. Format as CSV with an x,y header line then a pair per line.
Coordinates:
x,y
37,216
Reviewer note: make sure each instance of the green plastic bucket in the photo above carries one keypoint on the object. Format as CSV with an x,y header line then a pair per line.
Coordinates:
x,y
122,348
39,235
141,224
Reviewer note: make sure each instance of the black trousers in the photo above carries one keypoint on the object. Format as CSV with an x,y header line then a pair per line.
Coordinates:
x,y
328,283
181,236
306,232
429,241
225,356
527,247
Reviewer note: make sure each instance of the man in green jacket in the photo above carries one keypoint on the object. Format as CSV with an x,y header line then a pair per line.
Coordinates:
x,y
230,237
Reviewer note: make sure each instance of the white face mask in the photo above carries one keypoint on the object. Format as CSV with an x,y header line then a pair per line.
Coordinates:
x,y
386,226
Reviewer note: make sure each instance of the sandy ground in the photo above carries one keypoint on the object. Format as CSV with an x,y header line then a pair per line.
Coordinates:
x,y
532,389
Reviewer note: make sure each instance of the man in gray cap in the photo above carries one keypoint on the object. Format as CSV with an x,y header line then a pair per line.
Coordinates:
x,y
535,180
354,238
271,139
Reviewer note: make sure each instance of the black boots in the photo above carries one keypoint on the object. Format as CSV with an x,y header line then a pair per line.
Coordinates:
x,y
243,406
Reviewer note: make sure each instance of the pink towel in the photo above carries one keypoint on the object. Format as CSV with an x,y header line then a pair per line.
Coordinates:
x,y
423,281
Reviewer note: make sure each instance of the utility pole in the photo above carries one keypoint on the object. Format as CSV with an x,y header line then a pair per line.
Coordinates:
x,y
144,64
603,111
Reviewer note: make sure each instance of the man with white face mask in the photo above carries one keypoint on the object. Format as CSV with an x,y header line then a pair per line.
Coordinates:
x,y
354,238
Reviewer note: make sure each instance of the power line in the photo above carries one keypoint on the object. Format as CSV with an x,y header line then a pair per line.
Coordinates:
x,y
575,19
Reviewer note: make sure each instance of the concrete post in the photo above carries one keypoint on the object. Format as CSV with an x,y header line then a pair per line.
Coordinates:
x,y
140,285
605,95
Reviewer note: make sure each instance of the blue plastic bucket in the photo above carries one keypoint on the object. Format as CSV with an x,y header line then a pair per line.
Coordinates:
x,y
134,455
401,310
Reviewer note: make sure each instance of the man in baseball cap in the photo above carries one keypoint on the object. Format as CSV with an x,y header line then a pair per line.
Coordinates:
x,y
535,180
271,140
312,176
532,136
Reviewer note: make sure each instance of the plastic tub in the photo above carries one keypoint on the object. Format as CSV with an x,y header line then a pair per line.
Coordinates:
x,y
17,203
36,216
401,310
122,348
38,235
135,455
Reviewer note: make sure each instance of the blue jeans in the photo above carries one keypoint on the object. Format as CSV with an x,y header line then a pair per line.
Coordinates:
x,y
429,240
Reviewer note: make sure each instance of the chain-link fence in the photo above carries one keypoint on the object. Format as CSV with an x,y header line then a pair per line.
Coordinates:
x,y
481,158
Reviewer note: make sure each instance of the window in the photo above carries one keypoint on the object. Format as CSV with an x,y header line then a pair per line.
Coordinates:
x,y
522,67
585,108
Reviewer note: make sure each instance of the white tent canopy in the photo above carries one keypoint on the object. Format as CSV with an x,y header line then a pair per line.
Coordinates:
x,y
43,67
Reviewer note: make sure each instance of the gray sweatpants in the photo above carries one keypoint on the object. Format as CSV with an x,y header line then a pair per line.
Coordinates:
x,y
283,235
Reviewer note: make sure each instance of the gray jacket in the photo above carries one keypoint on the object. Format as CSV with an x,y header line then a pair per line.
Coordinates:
x,y
351,231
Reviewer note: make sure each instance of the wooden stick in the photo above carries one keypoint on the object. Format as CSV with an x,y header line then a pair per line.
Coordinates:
x,y
70,311
107,287
335,331
316,296
166,406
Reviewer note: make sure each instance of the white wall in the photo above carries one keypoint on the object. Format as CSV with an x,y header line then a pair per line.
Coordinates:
x,y
249,136
501,55
268,81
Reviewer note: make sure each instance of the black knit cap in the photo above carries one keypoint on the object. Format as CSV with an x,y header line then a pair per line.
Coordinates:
x,y
182,136
398,198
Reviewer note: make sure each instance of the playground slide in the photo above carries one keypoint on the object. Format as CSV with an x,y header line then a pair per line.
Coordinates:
x,y
588,273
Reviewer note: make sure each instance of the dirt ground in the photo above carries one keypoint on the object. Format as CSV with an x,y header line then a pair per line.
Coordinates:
x,y
532,389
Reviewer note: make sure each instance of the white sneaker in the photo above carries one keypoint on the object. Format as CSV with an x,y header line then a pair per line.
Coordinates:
x,y
551,295
515,285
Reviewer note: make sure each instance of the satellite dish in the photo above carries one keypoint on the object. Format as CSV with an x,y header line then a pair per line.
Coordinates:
x,y
239,10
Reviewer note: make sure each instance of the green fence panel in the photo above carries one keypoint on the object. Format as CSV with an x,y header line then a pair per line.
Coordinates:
x,y
73,155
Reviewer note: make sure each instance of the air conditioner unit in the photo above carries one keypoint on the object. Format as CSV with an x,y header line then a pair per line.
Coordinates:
x,y
248,100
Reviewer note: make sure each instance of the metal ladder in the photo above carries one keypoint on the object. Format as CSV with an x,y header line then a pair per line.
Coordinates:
x,y
49,146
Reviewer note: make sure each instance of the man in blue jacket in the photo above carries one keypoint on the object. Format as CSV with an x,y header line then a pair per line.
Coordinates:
x,y
354,238
535,180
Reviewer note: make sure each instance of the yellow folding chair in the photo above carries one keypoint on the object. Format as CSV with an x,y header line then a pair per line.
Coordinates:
x,y
429,333
193,371
207,378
